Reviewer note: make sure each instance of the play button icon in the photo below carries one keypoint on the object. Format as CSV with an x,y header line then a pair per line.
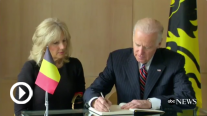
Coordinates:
x,y
21,92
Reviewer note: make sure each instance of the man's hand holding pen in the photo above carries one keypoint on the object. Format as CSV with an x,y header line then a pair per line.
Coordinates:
x,y
101,104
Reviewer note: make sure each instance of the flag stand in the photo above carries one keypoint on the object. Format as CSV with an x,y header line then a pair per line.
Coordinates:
x,y
46,103
48,68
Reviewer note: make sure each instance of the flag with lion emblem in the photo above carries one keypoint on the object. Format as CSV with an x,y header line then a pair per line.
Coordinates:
x,y
182,37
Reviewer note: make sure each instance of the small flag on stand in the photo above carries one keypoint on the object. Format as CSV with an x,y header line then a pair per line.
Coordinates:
x,y
48,76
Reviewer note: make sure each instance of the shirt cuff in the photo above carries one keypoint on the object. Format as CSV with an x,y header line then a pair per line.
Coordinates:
x,y
89,103
156,103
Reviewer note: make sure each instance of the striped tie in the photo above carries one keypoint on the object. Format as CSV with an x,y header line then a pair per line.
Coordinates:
x,y
143,78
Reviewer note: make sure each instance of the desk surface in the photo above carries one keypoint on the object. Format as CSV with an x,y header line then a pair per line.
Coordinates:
x,y
85,112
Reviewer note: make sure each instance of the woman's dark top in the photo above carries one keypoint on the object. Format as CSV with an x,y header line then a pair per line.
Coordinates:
x,y
72,81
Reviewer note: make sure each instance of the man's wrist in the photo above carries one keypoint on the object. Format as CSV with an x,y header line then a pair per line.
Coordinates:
x,y
150,103
91,100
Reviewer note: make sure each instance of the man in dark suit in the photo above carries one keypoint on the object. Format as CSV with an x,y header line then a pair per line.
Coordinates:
x,y
145,76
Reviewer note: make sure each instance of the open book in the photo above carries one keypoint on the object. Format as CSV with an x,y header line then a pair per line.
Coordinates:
x,y
116,109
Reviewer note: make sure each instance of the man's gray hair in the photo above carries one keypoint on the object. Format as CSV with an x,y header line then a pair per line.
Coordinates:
x,y
149,25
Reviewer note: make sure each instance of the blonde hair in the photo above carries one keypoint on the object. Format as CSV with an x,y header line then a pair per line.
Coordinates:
x,y
48,31
149,25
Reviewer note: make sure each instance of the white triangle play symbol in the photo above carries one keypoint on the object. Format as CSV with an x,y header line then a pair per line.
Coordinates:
x,y
21,92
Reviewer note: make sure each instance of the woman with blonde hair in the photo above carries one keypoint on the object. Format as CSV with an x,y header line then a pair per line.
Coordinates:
x,y
51,33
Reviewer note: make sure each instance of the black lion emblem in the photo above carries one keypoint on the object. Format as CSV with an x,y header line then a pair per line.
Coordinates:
x,y
181,12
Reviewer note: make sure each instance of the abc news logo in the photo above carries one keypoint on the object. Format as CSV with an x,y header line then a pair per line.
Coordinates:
x,y
173,101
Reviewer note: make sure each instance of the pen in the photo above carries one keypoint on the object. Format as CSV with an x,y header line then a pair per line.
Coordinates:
x,y
103,97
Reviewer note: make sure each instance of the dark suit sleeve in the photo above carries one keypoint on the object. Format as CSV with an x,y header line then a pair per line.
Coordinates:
x,y
103,83
26,75
80,80
182,88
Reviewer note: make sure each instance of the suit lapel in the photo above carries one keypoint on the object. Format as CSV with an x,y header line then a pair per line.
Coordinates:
x,y
131,69
155,70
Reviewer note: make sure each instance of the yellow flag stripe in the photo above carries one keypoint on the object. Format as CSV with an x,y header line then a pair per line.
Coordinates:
x,y
50,70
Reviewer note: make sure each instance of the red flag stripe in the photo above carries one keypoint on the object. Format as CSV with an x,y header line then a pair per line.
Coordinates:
x,y
46,83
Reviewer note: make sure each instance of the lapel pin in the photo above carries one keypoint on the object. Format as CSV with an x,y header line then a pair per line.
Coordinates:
x,y
159,70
